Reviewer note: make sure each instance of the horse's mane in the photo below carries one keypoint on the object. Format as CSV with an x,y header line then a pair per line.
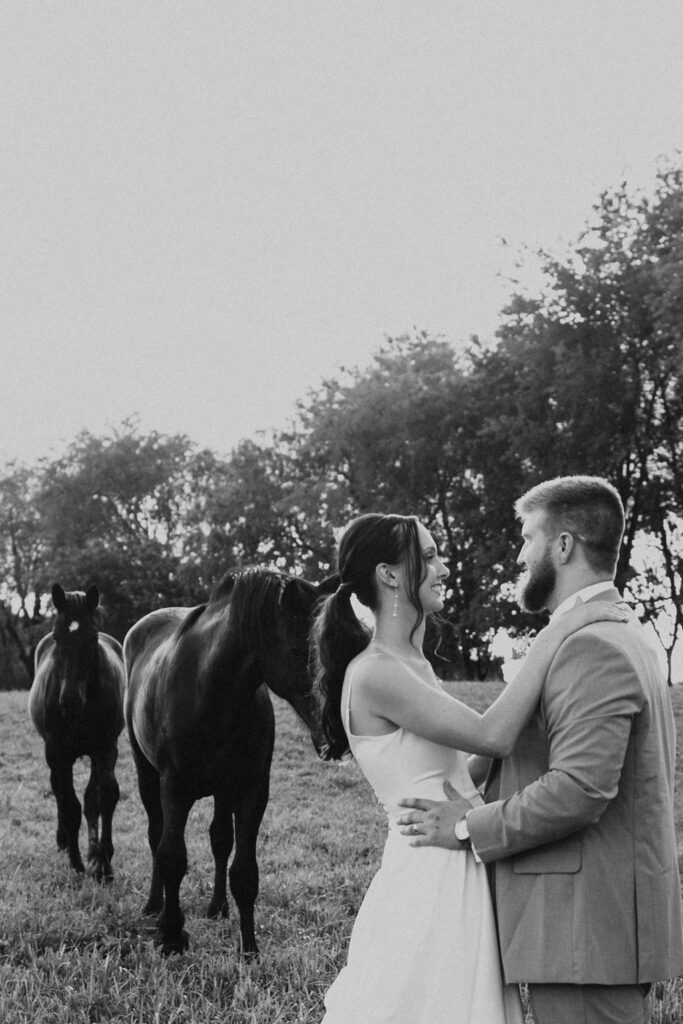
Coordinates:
x,y
253,593
75,606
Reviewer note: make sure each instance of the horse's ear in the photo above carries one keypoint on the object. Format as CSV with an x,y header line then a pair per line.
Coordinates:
x,y
292,599
58,597
329,585
92,598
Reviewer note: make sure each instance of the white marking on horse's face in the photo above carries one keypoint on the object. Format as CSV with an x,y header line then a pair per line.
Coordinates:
x,y
73,626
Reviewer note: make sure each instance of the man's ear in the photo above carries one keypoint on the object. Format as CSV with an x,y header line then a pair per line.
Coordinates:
x,y
565,546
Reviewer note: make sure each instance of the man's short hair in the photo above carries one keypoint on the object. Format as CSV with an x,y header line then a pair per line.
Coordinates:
x,y
588,507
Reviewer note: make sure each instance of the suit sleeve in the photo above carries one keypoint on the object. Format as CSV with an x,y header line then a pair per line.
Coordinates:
x,y
589,699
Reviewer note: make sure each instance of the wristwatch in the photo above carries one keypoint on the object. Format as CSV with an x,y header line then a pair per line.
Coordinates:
x,y
462,833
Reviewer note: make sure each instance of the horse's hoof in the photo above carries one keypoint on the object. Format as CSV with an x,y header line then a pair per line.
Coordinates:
x,y
247,948
170,946
216,909
100,868
152,908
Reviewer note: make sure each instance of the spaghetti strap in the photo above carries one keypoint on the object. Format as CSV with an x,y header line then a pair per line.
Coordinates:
x,y
346,691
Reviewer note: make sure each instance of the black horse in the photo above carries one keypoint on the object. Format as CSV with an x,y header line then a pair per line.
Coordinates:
x,y
76,704
201,723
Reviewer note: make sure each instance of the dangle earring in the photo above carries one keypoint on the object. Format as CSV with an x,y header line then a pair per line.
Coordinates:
x,y
394,610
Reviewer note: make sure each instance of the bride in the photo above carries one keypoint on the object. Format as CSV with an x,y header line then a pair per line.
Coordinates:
x,y
423,948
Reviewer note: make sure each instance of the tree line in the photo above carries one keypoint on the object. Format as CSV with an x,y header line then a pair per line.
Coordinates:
x,y
584,377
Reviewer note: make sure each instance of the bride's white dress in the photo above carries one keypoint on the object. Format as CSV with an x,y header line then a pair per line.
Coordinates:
x,y
423,948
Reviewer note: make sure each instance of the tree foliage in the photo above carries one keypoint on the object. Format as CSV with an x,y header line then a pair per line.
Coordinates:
x,y
584,377
22,565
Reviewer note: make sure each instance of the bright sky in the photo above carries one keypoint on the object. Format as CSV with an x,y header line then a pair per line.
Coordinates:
x,y
209,206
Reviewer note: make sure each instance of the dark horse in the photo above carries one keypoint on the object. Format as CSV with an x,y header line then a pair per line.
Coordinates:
x,y
201,723
76,704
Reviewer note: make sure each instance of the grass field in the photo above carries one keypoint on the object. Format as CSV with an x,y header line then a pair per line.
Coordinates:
x,y
75,952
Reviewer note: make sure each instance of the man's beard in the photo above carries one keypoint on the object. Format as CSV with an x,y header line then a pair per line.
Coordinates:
x,y
535,589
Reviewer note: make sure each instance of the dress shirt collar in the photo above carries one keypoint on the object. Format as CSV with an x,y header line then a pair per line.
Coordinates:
x,y
583,595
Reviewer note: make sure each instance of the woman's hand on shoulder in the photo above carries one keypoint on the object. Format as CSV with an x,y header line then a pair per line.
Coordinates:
x,y
585,613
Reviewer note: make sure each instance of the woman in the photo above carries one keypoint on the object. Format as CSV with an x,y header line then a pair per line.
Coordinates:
x,y
423,948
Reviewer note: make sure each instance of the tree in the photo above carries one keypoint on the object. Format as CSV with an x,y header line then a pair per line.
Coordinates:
x,y
399,437
657,584
260,514
21,564
591,368
121,511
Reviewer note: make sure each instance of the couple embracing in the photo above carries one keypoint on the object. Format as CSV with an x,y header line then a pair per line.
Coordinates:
x,y
553,860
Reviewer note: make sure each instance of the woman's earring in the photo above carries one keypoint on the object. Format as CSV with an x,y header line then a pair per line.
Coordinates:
x,y
394,611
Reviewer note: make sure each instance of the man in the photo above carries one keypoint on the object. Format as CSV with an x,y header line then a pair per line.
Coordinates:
x,y
579,819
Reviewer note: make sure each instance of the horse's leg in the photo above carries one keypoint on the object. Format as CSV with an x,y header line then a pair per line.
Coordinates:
x,y
244,874
171,860
99,804
91,811
222,835
149,789
68,806
109,797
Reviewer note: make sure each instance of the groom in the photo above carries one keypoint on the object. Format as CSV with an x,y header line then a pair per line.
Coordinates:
x,y
578,822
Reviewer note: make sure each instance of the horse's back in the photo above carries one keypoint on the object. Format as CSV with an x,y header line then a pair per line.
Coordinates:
x,y
41,688
44,646
112,677
147,648
112,644
144,637
111,652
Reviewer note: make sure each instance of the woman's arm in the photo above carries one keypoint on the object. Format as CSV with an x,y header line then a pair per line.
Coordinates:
x,y
390,691
478,767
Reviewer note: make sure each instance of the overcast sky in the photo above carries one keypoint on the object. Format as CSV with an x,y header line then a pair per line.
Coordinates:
x,y
207,207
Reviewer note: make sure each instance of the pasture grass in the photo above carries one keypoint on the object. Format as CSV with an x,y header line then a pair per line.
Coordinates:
x,y
76,952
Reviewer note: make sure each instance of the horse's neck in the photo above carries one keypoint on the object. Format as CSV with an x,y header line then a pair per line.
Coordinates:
x,y
237,670
232,662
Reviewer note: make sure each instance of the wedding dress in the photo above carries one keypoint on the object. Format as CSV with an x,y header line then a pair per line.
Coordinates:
x,y
423,949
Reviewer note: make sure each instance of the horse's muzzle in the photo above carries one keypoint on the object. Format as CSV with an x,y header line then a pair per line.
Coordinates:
x,y
322,750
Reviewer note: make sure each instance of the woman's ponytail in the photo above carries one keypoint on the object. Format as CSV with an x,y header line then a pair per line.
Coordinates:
x,y
338,636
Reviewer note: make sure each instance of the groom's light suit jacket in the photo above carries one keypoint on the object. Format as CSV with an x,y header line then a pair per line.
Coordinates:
x,y
581,826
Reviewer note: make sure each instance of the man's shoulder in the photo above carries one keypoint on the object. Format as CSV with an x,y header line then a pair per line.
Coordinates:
x,y
621,651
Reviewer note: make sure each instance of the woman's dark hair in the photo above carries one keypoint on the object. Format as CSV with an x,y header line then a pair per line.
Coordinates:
x,y
338,635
